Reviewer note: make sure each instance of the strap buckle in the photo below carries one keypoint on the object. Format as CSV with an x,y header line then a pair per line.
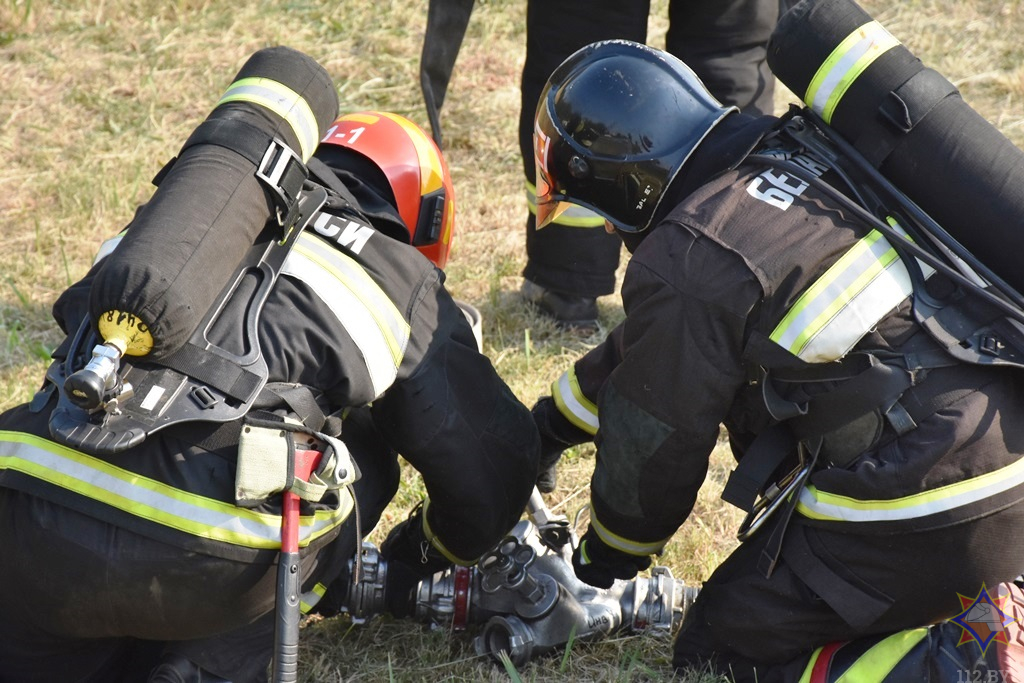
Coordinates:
x,y
283,172
779,493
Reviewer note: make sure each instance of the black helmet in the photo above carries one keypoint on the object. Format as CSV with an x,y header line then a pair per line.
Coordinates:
x,y
615,123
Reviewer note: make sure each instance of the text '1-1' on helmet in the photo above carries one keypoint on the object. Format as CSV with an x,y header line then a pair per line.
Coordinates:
x,y
615,123
415,170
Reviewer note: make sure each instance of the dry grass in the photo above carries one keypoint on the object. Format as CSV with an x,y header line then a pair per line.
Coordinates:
x,y
97,94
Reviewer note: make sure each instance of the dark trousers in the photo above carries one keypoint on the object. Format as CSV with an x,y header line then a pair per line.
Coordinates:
x,y
82,600
831,587
723,41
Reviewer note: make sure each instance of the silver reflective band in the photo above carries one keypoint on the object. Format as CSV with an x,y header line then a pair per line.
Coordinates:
x,y
848,61
108,247
826,506
844,304
284,102
152,500
623,544
571,402
358,303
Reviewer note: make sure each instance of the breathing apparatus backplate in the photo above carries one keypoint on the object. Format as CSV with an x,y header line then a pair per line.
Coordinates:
x,y
202,382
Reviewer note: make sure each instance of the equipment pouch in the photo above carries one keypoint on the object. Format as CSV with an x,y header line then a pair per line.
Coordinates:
x,y
266,465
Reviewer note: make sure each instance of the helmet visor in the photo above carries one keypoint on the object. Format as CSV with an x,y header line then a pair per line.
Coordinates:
x,y
548,212
549,207
561,194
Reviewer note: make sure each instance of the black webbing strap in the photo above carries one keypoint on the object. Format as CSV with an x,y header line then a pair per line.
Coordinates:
x,y
279,168
238,136
301,400
297,398
870,382
233,134
322,173
769,558
216,371
874,389
759,462
902,109
866,383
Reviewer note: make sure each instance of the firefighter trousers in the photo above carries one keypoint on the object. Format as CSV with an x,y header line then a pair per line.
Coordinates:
x,y
831,587
87,601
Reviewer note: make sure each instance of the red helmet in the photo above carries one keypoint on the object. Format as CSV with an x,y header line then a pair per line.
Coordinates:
x,y
415,169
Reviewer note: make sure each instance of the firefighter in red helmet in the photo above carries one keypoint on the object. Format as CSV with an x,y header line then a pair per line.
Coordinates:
x,y
412,167
172,579
881,470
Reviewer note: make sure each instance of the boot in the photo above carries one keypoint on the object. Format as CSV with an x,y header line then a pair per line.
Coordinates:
x,y
568,310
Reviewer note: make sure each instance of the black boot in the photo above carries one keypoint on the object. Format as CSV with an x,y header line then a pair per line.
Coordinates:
x,y
568,310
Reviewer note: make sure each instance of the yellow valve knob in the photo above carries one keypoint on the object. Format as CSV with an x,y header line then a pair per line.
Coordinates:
x,y
127,332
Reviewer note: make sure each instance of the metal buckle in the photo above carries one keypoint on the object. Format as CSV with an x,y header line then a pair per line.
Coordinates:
x,y
777,494
274,171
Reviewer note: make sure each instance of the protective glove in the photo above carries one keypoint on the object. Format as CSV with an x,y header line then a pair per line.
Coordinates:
x,y
599,565
552,444
411,557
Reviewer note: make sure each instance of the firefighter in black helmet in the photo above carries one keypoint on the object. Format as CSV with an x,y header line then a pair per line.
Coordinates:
x,y
573,261
753,301
140,566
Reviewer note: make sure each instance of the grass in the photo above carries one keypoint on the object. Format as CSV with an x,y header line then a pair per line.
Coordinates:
x,y
98,94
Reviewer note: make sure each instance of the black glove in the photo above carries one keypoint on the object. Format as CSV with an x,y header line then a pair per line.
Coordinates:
x,y
552,443
599,565
410,557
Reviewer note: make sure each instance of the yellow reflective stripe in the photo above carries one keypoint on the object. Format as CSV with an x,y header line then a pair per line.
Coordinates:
x,y
809,669
879,661
360,305
573,216
846,63
430,168
437,543
837,310
283,101
624,544
571,402
152,500
310,599
817,504
108,247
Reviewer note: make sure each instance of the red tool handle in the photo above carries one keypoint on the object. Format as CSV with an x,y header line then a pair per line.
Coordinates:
x,y
286,629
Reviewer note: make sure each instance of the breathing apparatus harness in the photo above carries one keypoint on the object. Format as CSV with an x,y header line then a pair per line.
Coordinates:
x,y
202,381
867,385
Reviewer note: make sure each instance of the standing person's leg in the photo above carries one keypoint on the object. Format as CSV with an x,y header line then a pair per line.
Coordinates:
x,y
724,42
572,262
